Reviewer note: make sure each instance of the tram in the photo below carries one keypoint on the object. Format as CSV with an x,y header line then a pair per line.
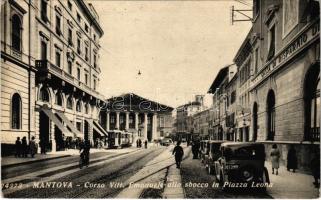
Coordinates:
x,y
119,139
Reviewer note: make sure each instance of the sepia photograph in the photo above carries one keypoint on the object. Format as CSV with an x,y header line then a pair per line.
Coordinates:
x,y
160,99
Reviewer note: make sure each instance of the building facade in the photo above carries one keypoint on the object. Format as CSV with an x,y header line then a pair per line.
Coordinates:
x,y
285,81
146,119
184,117
222,88
201,123
243,61
277,81
59,43
17,74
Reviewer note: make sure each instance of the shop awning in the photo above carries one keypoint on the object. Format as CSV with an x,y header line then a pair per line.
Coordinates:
x,y
70,125
99,129
57,122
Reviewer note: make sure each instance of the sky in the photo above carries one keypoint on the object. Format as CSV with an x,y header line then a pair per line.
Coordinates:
x,y
178,46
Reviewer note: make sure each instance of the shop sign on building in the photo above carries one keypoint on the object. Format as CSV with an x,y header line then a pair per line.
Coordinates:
x,y
294,47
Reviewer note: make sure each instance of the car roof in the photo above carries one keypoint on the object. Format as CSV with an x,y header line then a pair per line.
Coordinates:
x,y
238,144
216,141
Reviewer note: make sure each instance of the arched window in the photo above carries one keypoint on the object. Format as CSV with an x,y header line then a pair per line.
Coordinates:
x,y
271,115
312,104
255,121
16,111
44,95
58,99
78,106
69,103
16,33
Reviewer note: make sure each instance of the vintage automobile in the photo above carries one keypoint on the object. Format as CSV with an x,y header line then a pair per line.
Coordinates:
x,y
166,142
214,154
242,163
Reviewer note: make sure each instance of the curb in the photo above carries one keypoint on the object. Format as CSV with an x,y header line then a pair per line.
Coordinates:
x,y
32,161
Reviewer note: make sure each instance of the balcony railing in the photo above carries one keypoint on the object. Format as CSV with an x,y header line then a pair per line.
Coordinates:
x,y
46,66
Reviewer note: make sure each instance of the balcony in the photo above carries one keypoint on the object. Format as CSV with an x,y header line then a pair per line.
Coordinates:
x,y
46,67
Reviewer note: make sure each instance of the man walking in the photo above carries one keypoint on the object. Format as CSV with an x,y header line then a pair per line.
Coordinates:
x,y
33,146
179,153
18,147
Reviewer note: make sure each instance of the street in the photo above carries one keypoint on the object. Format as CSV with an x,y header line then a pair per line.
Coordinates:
x,y
106,168
135,173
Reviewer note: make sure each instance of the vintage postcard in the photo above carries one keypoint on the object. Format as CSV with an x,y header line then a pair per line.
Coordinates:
x,y
206,99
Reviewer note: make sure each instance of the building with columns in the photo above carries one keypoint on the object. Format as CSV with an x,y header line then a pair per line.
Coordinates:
x,y
50,72
144,118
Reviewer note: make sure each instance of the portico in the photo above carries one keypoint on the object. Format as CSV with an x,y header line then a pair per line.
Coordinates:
x,y
137,115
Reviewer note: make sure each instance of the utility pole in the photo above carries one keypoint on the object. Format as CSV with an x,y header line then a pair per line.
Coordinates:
x,y
243,12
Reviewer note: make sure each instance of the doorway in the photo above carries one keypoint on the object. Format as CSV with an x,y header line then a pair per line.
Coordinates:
x,y
44,129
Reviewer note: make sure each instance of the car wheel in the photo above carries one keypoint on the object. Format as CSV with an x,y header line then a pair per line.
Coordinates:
x,y
247,174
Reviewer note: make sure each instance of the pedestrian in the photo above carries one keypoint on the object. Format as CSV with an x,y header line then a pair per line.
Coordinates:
x,y
179,153
315,168
24,147
145,144
33,146
43,145
194,149
140,143
292,159
137,143
18,147
275,158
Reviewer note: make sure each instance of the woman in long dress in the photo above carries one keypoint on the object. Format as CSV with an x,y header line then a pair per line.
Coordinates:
x,y
275,158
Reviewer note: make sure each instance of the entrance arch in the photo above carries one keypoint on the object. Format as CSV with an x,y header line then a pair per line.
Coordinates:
x,y
44,124
271,115
254,116
312,103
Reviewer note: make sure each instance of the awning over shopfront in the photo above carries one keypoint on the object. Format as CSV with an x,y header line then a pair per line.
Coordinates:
x,y
57,122
99,129
70,125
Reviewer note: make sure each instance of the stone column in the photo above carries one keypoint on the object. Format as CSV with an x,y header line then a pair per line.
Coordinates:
x,y
136,121
107,121
117,120
154,126
127,121
145,126
52,136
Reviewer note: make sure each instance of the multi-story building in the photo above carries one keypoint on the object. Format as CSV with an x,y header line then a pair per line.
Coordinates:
x,y
201,123
232,106
285,81
146,119
17,74
184,117
55,71
243,60
220,103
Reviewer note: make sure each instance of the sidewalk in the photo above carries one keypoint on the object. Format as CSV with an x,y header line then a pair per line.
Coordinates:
x,y
10,161
291,185
158,167
174,188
